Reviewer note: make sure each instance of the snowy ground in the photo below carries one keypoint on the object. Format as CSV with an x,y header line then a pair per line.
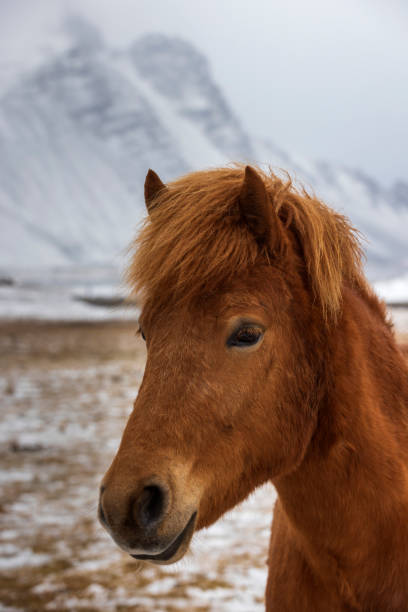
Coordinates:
x,y
58,294
61,418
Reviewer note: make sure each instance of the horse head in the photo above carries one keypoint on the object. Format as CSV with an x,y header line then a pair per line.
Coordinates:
x,y
239,277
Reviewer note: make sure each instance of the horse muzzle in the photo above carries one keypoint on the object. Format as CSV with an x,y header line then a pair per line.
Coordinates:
x,y
177,548
145,523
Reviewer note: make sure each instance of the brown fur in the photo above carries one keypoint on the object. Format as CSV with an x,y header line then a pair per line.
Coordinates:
x,y
170,257
319,407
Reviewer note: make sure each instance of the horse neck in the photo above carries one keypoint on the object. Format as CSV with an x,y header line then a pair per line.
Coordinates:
x,y
348,499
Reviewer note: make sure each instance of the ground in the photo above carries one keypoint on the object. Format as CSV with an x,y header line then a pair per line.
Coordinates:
x,y
66,391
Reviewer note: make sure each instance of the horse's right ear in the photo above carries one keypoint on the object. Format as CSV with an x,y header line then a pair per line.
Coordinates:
x,y
152,187
257,211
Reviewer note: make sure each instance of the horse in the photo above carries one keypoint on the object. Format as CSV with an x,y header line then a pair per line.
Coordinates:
x,y
269,359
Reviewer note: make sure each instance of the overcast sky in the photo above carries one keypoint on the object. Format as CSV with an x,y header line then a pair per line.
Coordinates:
x,y
324,79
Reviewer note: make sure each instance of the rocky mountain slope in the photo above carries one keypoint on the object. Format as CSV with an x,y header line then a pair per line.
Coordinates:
x,y
78,134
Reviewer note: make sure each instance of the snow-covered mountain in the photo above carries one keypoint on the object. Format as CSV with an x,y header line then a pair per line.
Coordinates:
x,y
78,134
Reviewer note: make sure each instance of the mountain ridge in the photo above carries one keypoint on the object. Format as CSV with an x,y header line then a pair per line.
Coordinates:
x,y
78,133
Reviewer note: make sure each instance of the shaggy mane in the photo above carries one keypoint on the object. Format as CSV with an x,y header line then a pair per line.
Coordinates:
x,y
193,239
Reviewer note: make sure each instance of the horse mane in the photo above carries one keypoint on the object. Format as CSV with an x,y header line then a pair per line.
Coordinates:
x,y
193,240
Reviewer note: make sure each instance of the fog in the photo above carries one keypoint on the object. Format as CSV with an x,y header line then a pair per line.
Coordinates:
x,y
322,79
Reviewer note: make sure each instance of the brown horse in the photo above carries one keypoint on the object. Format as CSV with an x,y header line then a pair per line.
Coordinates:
x,y
269,359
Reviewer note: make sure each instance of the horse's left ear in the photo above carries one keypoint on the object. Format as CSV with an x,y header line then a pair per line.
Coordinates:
x,y
257,211
152,187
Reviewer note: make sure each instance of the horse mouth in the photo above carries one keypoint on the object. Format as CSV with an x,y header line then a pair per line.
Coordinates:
x,y
172,552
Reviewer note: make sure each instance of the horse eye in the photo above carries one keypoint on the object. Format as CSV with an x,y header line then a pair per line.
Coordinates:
x,y
245,336
140,331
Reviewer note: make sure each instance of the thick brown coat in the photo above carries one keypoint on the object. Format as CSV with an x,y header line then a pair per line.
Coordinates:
x,y
315,400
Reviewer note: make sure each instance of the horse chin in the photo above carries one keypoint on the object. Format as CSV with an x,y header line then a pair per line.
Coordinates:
x,y
177,548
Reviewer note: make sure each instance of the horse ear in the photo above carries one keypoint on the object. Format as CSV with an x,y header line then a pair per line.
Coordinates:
x,y
152,187
256,210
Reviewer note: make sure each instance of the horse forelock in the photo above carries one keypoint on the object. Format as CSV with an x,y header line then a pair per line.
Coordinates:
x,y
194,240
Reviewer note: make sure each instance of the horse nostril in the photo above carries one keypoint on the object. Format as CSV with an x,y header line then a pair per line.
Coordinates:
x,y
101,514
149,507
